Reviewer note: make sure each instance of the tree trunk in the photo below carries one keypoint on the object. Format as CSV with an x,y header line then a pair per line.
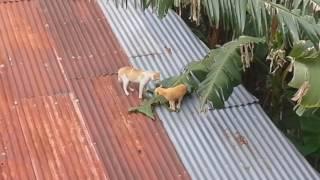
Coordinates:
x,y
215,37
274,28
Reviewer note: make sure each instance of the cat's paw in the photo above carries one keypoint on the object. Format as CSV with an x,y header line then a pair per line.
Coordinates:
x,y
172,110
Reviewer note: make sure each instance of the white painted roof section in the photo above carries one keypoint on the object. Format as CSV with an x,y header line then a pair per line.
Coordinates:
x,y
238,142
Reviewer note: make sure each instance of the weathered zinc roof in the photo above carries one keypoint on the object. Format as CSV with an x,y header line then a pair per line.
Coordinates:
x,y
143,33
237,142
168,43
63,114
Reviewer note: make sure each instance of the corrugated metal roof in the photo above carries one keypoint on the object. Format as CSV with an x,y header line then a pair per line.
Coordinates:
x,y
151,35
173,66
130,145
84,40
28,64
11,1
42,133
44,138
239,142
59,117
167,42
233,143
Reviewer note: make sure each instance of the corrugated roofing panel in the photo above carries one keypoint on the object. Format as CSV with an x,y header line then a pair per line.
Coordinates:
x,y
143,33
178,46
42,134
171,67
131,146
84,40
128,145
11,1
44,138
27,61
238,142
48,51
233,143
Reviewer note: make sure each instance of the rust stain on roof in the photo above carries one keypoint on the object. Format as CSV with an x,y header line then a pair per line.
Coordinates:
x,y
131,145
42,138
62,112
28,65
85,43
11,1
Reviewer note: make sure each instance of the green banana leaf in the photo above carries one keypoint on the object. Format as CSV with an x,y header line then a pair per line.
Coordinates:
x,y
306,69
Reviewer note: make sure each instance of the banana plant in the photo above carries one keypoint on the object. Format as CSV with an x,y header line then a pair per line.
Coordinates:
x,y
212,78
305,62
296,19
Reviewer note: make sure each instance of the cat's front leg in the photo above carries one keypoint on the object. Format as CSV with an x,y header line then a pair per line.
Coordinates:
x,y
179,102
172,105
141,87
125,83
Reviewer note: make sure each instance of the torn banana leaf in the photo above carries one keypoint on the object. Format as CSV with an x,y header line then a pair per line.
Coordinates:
x,y
306,72
225,66
148,105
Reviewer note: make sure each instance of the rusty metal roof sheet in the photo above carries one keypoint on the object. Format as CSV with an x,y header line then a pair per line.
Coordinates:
x,y
130,144
62,114
11,1
238,142
44,138
85,43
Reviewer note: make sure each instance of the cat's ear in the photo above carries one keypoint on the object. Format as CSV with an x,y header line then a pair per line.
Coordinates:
x,y
156,75
156,91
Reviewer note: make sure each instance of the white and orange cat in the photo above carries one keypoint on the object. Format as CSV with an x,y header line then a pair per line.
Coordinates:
x,y
129,74
173,95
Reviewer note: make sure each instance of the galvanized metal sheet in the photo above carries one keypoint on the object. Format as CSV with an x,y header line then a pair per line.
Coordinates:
x,y
237,142
233,143
178,45
143,33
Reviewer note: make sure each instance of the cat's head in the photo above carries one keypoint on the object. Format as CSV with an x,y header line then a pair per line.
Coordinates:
x,y
156,76
158,90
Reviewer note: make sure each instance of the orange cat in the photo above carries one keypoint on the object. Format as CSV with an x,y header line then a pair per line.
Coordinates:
x,y
129,74
173,94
